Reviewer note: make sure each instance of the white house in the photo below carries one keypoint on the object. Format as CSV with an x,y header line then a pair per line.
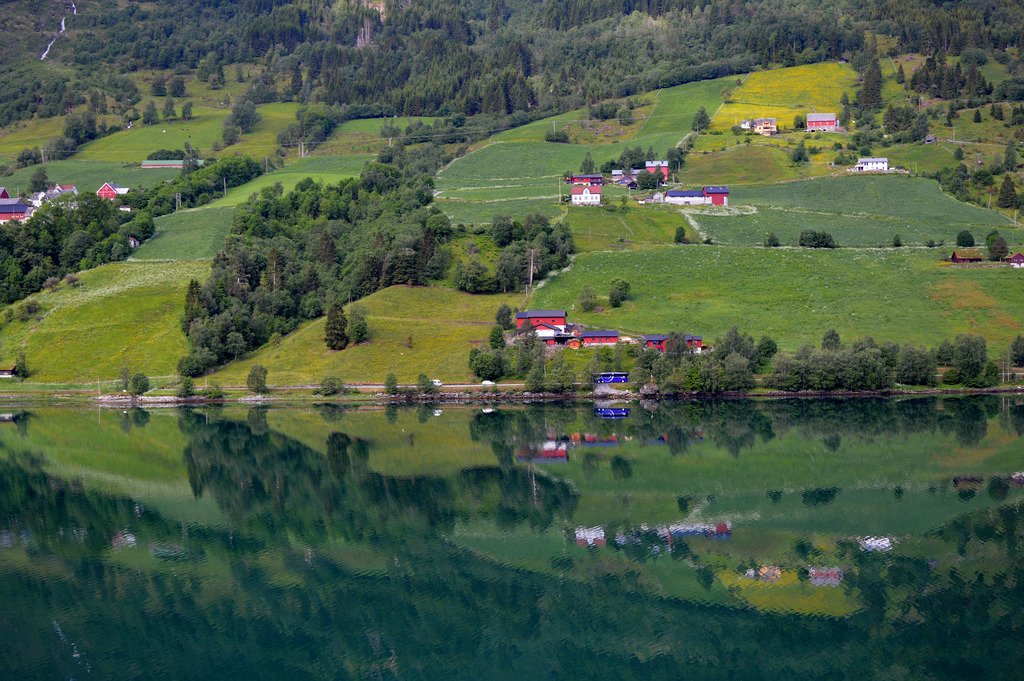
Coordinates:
x,y
586,196
867,165
686,197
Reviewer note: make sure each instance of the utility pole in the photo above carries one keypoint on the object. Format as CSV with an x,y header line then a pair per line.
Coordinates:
x,y
225,181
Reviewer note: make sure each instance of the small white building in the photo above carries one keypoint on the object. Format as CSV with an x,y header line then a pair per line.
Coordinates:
x,y
871,165
586,196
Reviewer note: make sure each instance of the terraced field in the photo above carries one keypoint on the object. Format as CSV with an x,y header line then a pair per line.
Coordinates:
x,y
516,172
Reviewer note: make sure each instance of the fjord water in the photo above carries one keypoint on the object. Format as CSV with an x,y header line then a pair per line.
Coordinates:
x,y
730,539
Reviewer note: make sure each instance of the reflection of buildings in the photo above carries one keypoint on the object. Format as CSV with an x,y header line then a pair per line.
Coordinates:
x,y
875,543
824,576
590,536
550,451
592,440
611,412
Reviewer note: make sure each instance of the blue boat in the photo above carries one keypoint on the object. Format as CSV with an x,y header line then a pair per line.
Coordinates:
x,y
612,377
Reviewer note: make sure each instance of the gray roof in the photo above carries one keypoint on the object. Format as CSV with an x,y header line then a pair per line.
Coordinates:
x,y
530,314
600,334
820,117
684,192
716,189
873,160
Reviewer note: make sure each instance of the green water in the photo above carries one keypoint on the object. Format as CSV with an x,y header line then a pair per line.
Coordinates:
x,y
867,539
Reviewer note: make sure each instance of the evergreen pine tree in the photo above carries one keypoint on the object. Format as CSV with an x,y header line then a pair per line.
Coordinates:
x,y
334,332
871,87
1007,193
1010,157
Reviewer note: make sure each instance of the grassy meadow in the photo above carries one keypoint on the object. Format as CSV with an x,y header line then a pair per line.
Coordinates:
x,y
121,314
327,169
443,325
612,228
88,176
517,172
795,295
194,234
362,136
861,211
784,93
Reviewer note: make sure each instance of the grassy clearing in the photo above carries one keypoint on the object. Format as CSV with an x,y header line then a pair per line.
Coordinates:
x,y
122,314
195,234
517,171
328,169
132,146
362,136
861,211
444,326
88,175
746,164
635,227
784,93
794,295
27,134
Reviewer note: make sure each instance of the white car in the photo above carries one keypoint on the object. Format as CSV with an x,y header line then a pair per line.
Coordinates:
x,y
437,383
487,384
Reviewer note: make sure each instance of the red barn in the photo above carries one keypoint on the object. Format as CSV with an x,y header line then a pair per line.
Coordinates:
x,y
719,195
14,209
111,191
655,341
657,167
537,318
822,122
600,337
1016,260
586,180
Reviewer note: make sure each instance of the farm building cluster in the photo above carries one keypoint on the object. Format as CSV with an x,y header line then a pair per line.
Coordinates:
x,y
815,122
976,255
21,209
586,188
553,328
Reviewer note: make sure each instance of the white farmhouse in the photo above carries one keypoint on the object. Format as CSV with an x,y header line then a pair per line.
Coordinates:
x,y
586,196
868,165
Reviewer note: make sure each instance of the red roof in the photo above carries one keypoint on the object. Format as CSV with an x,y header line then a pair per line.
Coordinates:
x,y
594,189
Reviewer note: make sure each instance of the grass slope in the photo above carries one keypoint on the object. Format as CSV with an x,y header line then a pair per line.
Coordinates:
x,y
614,228
122,314
784,93
860,211
362,136
517,171
795,295
329,169
195,234
444,326
88,175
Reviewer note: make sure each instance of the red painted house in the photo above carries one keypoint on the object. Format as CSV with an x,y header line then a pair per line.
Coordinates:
x,y
719,195
822,122
111,191
586,180
601,337
1016,260
14,209
655,341
537,318
657,167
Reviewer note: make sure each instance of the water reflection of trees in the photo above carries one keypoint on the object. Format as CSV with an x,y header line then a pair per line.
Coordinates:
x,y
438,611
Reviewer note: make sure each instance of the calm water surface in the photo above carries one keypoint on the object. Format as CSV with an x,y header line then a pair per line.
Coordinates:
x,y
867,539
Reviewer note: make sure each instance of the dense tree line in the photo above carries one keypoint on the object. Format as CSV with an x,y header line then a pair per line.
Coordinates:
x,y
472,57
290,257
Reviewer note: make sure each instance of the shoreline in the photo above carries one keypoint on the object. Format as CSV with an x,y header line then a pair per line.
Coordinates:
x,y
280,397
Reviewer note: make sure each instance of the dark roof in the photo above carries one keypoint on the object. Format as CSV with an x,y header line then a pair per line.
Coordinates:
x,y
688,337
684,192
589,177
968,254
530,314
600,334
13,206
655,337
716,189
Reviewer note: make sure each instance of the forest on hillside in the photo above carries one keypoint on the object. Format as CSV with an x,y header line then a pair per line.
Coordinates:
x,y
424,57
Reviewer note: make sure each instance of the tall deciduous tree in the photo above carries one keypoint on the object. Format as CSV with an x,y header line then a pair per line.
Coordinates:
x,y
335,334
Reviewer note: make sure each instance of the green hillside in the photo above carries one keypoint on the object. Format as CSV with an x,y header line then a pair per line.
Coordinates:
x,y
795,295
122,314
860,211
194,234
516,171
327,169
88,175
443,326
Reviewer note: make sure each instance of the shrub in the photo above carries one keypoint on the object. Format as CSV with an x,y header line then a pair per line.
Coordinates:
x,y
51,283
681,235
487,365
139,384
496,339
21,370
965,239
425,385
358,330
619,292
391,384
214,392
1017,351
771,241
256,381
588,299
559,136
335,333
331,386
186,389
504,317
810,238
